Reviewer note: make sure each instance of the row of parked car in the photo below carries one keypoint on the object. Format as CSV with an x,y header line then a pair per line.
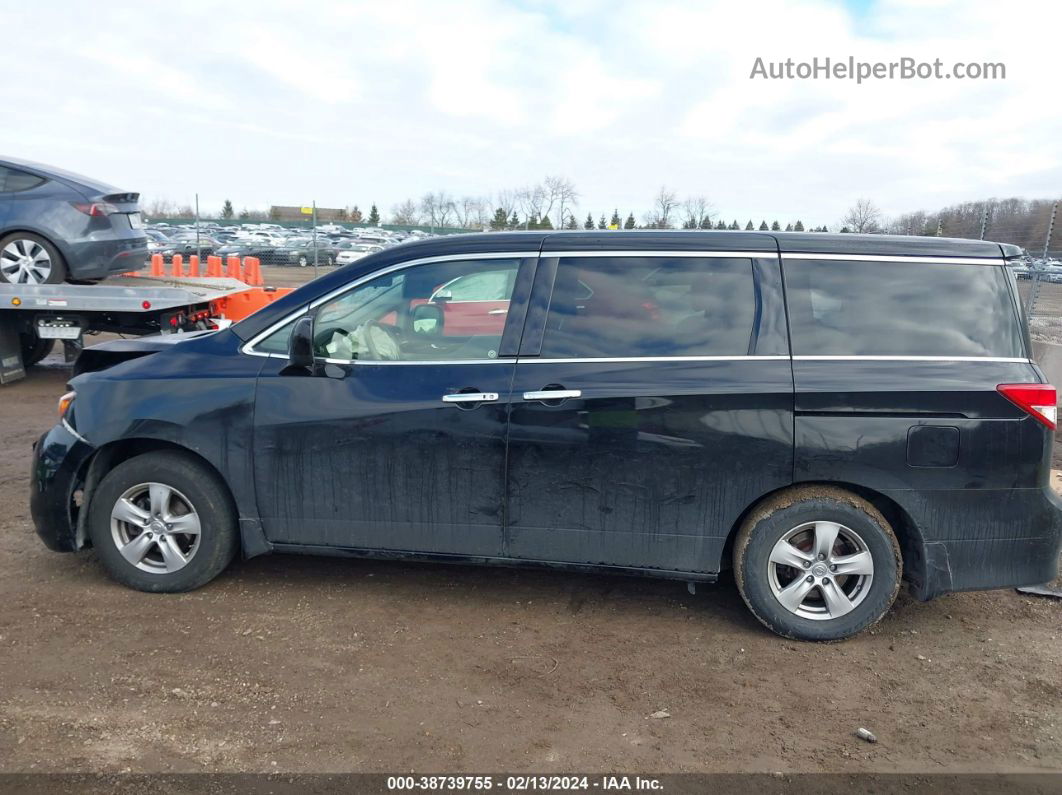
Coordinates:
x,y
1047,269
273,244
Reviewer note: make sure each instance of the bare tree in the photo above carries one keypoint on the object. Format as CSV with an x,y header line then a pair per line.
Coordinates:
x,y
531,200
697,212
406,214
560,193
507,200
664,205
863,216
437,208
469,211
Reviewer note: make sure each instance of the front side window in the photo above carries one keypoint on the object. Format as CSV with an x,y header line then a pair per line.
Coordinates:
x,y
411,315
617,307
901,309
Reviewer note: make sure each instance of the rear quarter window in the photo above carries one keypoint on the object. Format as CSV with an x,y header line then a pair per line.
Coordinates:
x,y
13,181
853,308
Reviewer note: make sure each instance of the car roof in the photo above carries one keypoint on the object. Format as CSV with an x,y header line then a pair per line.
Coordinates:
x,y
714,240
43,170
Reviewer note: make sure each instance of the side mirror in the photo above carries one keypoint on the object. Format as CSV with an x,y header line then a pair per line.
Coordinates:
x,y
442,295
300,345
427,320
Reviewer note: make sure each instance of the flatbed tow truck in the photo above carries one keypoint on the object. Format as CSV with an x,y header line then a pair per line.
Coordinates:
x,y
34,316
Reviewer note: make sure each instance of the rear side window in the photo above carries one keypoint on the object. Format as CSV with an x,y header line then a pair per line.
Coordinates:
x,y
901,309
13,180
616,307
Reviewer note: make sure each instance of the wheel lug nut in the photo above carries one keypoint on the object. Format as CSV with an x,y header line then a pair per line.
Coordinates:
x,y
825,580
810,578
833,567
821,556
807,564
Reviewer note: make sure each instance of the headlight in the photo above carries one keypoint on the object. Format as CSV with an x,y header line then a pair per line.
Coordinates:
x,y
65,402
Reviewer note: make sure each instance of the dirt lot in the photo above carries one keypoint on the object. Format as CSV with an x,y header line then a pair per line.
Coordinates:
x,y
302,664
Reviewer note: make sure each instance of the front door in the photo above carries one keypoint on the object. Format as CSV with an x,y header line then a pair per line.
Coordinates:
x,y
396,441
652,403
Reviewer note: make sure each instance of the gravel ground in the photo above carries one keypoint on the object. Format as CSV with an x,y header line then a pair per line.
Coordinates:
x,y
323,665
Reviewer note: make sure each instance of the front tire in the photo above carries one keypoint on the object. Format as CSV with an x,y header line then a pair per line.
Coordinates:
x,y
26,258
163,522
817,563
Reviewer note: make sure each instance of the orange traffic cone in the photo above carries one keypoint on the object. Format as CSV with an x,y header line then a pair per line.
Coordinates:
x,y
177,266
252,272
193,266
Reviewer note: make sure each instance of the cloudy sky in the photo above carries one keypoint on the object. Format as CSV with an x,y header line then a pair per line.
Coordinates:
x,y
351,103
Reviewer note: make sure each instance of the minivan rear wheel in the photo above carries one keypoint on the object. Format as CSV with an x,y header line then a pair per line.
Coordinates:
x,y
26,258
162,522
817,563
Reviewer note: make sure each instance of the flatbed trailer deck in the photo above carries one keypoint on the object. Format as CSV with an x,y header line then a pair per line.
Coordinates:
x,y
33,316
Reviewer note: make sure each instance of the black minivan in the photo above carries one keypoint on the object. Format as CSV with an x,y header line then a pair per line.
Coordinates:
x,y
825,414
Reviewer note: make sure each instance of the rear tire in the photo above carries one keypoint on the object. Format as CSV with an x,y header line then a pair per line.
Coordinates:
x,y
163,522
817,563
34,349
26,258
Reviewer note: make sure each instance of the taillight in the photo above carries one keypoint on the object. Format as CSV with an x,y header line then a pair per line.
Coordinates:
x,y
95,208
1038,400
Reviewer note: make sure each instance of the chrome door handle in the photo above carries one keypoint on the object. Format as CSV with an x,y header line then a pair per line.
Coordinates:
x,y
470,397
497,311
553,394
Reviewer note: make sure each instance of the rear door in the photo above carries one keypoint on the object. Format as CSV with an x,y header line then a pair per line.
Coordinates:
x,y
652,403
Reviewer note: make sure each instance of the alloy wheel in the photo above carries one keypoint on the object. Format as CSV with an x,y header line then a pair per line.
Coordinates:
x,y
155,528
820,570
24,261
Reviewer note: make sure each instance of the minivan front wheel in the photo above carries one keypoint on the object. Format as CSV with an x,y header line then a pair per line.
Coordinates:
x,y
30,259
162,522
817,563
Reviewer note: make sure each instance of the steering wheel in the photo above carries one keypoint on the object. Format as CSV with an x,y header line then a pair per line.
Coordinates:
x,y
383,342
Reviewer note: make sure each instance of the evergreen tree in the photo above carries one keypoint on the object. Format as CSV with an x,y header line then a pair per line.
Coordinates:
x,y
706,223
788,227
763,226
500,220
845,230
601,224
629,223
532,221
226,210
749,227
775,226
545,223
798,226
589,222
514,222
615,221
572,223
374,216
734,226
721,224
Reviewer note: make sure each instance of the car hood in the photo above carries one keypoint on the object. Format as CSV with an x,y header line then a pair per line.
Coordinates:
x,y
107,354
